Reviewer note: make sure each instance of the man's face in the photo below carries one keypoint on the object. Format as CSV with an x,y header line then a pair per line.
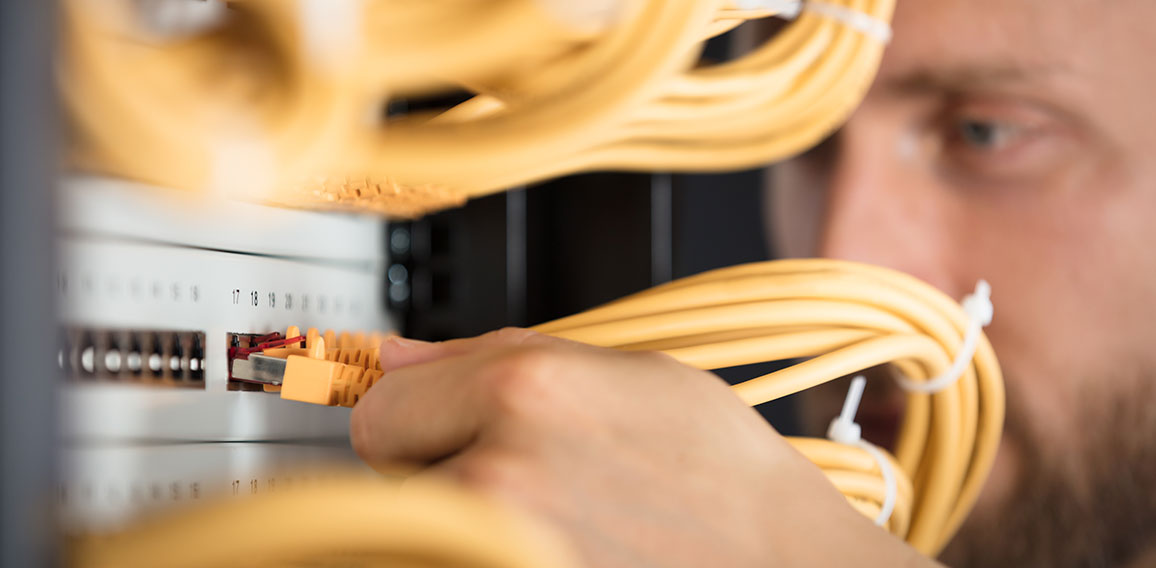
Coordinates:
x,y
1015,141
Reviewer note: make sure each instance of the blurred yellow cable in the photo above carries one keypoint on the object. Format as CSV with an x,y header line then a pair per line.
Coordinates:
x,y
277,103
347,520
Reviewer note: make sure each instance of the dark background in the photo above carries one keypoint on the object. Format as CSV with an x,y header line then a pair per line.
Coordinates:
x,y
547,251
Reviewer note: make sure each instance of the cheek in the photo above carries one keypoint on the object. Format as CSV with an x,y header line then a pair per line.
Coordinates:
x,y
1071,273
1036,332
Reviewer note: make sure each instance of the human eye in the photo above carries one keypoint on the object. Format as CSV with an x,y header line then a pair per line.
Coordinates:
x,y
981,135
1001,142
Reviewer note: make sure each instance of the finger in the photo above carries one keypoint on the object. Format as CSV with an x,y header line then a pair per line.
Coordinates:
x,y
398,352
418,413
424,412
488,471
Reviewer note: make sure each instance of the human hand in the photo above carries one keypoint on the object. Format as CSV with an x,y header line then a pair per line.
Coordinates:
x,y
639,460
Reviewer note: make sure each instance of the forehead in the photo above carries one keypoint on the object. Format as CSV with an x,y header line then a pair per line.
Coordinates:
x,y
1091,37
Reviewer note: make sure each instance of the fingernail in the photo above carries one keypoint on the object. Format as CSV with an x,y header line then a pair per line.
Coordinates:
x,y
405,342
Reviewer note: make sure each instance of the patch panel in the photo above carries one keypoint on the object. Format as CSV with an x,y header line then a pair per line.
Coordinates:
x,y
149,286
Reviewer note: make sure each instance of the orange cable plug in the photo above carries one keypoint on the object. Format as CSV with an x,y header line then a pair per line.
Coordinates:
x,y
319,374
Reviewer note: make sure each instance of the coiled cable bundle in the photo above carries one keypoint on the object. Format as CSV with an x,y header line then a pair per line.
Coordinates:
x,y
839,318
283,102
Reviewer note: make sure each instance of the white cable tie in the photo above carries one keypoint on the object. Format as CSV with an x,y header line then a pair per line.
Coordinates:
x,y
859,21
844,430
788,9
889,481
174,20
979,310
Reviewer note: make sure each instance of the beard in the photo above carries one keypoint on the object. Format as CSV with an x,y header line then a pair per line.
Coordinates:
x,y
1087,502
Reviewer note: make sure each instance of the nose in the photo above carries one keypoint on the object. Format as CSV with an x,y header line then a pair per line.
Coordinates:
x,y
883,208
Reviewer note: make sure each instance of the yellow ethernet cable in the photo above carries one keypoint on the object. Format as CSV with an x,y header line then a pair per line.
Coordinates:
x,y
347,521
283,102
835,317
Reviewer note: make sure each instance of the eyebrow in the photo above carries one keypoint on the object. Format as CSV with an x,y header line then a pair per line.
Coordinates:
x,y
931,80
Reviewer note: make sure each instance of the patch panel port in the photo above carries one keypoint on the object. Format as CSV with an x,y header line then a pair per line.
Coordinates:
x,y
240,343
133,358
155,361
82,355
110,357
175,357
196,353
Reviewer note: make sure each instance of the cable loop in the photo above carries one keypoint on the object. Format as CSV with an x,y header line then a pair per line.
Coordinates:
x,y
979,310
